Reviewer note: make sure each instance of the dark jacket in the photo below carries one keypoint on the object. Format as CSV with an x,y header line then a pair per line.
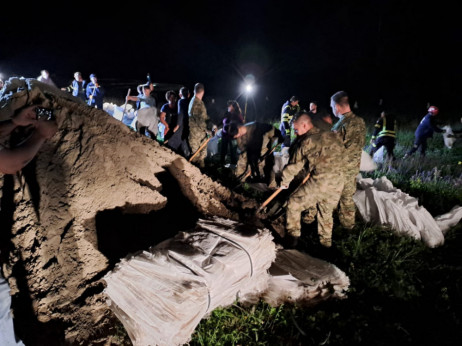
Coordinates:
x,y
385,127
231,117
97,93
427,126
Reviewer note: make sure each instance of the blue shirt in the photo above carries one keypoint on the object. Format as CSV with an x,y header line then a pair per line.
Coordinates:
x,y
146,101
78,89
97,93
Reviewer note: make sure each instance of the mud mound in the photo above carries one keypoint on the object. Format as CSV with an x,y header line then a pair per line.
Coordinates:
x,y
96,192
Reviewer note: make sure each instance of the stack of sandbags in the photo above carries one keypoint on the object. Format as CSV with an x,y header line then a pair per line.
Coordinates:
x,y
161,295
299,278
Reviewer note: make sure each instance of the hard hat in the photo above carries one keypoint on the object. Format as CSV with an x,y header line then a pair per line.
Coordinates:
x,y
433,110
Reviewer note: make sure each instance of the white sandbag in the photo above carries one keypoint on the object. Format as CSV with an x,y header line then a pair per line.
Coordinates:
x,y
449,219
367,164
7,336
212,145
378,155
147,117
109,107
281,158
378,201
299,278
448,140
118,113
161,295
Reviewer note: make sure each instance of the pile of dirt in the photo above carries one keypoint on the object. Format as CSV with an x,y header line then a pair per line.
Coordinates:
x,y
96,192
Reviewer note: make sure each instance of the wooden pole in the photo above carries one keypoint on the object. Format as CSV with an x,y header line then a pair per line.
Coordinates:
x,y
200,148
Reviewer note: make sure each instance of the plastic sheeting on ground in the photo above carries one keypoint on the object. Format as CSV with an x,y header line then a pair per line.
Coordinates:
x,y
161,295
378,201
7,337
299,278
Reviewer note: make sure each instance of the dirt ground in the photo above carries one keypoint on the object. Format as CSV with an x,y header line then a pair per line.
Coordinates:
x,y
96,192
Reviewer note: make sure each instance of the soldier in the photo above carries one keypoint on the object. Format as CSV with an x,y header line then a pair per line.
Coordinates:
x,y
289,109
352,131
198,122
321,154
255,142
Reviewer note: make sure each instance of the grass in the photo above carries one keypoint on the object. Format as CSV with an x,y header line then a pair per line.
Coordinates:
x,y
401,292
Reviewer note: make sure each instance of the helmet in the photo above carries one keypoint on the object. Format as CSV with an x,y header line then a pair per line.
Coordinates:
x,y
433,110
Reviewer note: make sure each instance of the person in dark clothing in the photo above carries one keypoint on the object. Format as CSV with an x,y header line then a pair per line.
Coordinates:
x,y
384,135
179,139
320,117
232,116
256,142
169,115
289,109
94,93
424,131
77,87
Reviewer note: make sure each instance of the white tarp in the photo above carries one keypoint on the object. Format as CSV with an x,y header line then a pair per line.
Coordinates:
x,y
378,201
161,295
296,277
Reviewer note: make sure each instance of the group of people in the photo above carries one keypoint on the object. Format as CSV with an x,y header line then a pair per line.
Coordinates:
x,y
92,93
329,154
181,124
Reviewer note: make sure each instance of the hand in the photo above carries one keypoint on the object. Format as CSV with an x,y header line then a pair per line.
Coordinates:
x,y
90,97
166,130
26,116
46,128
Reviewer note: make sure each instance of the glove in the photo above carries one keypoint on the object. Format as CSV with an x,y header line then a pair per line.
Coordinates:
x,y
284,187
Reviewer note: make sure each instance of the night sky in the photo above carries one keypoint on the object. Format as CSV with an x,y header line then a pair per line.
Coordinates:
x,y
405,52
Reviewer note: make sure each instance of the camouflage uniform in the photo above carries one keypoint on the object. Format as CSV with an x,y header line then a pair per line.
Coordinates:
x,y
352,131
257,141
323,153
198,121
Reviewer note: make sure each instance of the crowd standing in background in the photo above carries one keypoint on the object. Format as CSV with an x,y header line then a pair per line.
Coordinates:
x,y
328,154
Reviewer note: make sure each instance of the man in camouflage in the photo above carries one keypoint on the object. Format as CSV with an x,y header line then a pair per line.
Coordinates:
x,y
352,132
321,154
198,122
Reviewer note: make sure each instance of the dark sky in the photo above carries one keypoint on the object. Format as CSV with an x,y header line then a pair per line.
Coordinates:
x,y
405,52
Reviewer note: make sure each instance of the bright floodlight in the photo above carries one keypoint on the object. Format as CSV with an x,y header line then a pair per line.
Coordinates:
x,y
248,88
